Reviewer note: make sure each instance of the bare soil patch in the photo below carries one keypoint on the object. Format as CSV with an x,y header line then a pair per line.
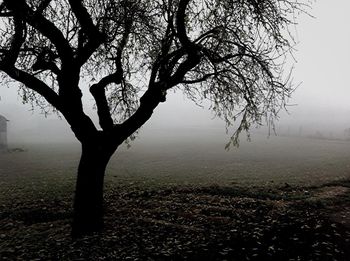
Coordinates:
x,y
188,223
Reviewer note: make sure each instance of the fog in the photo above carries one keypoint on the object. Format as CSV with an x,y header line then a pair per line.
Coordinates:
x,y
319,107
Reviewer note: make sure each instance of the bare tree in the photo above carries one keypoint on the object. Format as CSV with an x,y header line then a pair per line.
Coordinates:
x,y
131,53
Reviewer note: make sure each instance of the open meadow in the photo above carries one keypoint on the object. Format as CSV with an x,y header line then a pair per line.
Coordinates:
x,y
184,197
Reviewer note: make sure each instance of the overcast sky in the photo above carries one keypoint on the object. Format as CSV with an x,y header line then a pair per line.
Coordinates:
x,y
321,101
323,62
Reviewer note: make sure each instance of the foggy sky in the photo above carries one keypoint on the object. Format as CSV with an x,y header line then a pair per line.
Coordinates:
x,y
322,101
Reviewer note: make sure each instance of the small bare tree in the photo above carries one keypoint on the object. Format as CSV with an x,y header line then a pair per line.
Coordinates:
x,y
230,52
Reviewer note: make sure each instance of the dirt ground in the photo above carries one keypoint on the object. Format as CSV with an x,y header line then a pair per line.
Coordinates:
x,y
282,199
188,223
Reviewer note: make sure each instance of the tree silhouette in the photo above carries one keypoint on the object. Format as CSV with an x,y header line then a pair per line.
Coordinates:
x,y
131,53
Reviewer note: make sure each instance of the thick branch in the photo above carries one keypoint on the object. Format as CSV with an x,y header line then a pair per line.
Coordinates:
x,y
181,71
84,19
89,30
180,25
18,39
98,92
44,26
34,84
45,60
191,48
148,102
164,70
46,65
170,60
43,5
121,47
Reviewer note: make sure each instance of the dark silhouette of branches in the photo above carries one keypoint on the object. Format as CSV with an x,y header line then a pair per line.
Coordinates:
x,y
230,52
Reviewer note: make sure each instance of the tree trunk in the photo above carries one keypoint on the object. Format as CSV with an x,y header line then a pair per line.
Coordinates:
x,y
88,202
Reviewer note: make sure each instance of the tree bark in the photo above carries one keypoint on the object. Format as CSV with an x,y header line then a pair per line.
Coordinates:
x,y
88,203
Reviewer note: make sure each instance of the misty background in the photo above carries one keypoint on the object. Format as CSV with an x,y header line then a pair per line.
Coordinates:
x,y
320,106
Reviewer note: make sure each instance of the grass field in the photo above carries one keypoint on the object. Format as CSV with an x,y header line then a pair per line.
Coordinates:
x,y
171,198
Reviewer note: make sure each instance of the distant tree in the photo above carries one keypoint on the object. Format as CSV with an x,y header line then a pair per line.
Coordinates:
x,y
130,53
